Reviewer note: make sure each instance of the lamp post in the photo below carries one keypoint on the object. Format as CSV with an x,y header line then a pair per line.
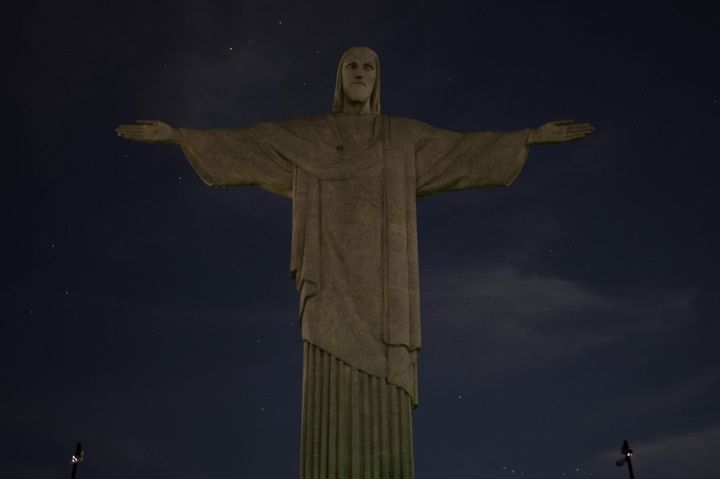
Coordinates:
x,y
76,459
627,458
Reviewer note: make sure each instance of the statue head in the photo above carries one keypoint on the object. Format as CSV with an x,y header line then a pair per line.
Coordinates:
x,y
358,81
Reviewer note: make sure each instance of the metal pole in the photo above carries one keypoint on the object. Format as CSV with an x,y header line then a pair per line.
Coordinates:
x,y
76,459
629,463
627,452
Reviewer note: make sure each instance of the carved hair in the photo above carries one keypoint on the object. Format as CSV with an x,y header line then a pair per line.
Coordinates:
x,y
339,98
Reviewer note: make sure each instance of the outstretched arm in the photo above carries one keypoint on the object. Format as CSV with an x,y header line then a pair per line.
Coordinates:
x,y
222,156
559,132
446,160
149,131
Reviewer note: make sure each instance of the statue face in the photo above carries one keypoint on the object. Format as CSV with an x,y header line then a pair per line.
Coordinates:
x,y
358,75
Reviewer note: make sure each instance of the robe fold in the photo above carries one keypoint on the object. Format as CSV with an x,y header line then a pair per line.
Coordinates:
x,y
354,237
355,262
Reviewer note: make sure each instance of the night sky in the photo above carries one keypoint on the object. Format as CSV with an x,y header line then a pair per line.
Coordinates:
x,y
152,317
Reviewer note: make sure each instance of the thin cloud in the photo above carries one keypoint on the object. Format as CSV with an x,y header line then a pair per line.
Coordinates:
x,y
528,319
670,397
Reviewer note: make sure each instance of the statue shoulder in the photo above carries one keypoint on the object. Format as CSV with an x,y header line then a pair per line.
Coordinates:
x,y
305,120
406,128
303,126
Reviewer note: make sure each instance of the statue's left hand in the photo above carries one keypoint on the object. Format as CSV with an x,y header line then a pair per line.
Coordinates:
x,y
149,131
559,132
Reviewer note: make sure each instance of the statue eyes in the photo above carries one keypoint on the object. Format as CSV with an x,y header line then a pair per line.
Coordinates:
x,y
352,66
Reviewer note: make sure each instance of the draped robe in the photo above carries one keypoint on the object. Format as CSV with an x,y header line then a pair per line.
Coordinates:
x,y
354,248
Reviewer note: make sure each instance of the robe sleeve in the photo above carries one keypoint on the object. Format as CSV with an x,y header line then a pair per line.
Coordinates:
x,y
237,156
446,160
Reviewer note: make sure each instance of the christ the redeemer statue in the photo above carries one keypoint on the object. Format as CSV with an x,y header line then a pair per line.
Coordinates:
x,y
353,176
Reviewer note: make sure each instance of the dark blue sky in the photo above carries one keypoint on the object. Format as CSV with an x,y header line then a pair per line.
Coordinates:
x,y
152,317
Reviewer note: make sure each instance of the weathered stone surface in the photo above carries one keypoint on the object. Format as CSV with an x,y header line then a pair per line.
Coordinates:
x,y
353,176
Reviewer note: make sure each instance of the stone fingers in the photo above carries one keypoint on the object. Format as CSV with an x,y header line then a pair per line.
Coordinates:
x,y
574,136
130,130
576,131
136,132
579,127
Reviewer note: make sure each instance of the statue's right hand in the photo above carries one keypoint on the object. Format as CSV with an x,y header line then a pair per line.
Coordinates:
x,y
148,131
